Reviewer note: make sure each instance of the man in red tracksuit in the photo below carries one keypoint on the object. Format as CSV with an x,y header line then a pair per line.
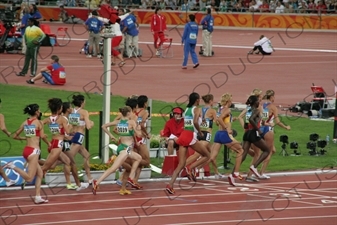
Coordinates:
x,y
158,26
173,129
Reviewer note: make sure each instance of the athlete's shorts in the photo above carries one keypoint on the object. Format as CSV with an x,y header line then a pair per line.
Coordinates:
x,y
78,138
66,145
187,138
252,136
28,151
55,143
207,136
265,130
122,147
222,137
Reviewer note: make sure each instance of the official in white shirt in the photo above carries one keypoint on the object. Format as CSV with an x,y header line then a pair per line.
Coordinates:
x,y
263,46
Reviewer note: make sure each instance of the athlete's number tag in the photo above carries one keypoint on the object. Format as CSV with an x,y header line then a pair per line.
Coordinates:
x,y
208,137
30,130
128,150
139,120
193,36
54,128
248,115
205,124
123,128
62,74
74,119
265,113
66,146
257,133
188,121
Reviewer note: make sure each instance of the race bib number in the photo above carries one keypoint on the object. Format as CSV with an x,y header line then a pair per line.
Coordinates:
x,y
248,115
205,124
139,120
257,133
128,150
62,75
123,128
30,130
74,119
265,113
54,128
188,122
66,146
208,137
193,36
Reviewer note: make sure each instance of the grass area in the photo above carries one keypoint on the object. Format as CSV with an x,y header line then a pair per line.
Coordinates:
x,y
15,98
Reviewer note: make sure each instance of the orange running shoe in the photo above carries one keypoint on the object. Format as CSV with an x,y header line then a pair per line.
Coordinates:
x,y
238,176
112,159
170,190
132,183
94,187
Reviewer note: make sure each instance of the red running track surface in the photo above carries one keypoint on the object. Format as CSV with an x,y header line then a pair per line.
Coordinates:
x,y
301,58
291,200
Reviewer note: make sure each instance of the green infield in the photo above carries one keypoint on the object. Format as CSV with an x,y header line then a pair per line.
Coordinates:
x,y
15,98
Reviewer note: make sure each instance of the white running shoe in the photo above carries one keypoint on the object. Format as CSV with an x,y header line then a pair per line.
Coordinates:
x,y
157,53
219,176
39,200
83,186
10,183
254,170
231,180
264,177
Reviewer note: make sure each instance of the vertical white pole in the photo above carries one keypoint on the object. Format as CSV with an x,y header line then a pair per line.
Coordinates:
x,y
106,95
148,124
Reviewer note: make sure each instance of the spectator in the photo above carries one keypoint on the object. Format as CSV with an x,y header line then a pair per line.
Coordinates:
x,y
303,7
287,8
23,26
321,7
264,7
331,6
35,14
53,74
262,46
207,29
173,128
33,37
293,6
185,6
172,5
279,8
158,27
311,6
131,25
67,19
94,26
162,5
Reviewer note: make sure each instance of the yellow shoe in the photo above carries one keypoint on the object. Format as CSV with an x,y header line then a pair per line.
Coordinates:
x,y
124,192
112,159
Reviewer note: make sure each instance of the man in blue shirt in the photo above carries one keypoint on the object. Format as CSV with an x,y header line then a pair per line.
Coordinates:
x,y
207,29
189,39
130,28
94,27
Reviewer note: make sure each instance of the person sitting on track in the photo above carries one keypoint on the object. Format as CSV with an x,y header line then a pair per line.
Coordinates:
x,y
188,138
128,131
33,129
262,46
53,74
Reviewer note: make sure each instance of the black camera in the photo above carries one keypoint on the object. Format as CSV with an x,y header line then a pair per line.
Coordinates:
x,y
321,143
294,145
311,145
284,139
313,137
7,15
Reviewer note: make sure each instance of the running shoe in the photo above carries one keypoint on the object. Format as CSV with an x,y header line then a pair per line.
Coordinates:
x,y
264,177
219,176
238,176
251,179
39,200
231,180
94,187
184,67
10,183
193,175
112,159
132,183
23,185
83,186
138,186
254,170
72,186
121,64
124,192
170,190
157,53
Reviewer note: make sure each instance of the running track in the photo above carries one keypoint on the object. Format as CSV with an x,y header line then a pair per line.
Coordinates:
x,y
306,199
